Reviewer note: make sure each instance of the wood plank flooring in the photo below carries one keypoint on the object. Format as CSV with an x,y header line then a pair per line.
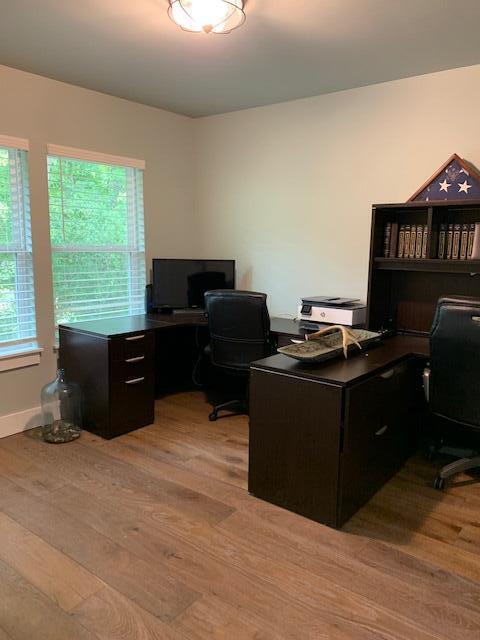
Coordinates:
x,y
153,536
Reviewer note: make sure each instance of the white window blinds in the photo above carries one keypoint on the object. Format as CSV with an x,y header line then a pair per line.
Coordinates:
x,y
17,297
97,236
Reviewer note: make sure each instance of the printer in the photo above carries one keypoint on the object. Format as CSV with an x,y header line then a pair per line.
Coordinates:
x,y
330,310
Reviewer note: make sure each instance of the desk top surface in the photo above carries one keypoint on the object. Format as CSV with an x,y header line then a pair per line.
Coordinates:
x,y
343,372
112,327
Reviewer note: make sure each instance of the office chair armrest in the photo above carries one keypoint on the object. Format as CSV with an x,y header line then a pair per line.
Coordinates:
x,y
426,383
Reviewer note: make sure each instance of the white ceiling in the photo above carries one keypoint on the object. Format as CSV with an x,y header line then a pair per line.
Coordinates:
x,y
286,49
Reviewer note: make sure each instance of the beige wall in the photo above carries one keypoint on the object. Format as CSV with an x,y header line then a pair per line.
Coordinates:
x,y
287,189
45,111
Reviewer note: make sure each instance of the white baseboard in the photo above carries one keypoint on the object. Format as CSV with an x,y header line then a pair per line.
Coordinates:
x,y
20,421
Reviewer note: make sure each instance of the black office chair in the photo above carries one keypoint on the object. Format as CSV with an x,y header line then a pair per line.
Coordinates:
x,y
239,327
452,381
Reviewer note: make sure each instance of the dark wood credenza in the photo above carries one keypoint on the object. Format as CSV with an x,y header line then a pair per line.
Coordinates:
x,y
324,439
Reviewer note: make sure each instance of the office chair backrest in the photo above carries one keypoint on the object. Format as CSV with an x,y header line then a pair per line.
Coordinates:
x,y
455,360
239,327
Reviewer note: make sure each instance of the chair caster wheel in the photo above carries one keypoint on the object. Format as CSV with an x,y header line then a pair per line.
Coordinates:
x,y
439,483
212,416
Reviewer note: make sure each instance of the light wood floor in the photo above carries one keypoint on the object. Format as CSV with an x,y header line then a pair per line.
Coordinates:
x,y
154,536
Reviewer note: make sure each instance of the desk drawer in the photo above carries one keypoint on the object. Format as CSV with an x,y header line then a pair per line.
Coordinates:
x,y
132,346
379,432
134,367
132,403
294,444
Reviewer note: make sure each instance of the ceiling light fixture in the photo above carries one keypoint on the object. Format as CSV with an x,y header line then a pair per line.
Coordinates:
x,y
207,16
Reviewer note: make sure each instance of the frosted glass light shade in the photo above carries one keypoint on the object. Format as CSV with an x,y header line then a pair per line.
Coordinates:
x,y
209,16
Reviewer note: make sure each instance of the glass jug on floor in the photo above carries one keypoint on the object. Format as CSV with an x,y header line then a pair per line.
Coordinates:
x,y
61,410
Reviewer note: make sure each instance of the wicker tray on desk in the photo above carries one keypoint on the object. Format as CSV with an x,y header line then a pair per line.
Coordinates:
x,y
328,346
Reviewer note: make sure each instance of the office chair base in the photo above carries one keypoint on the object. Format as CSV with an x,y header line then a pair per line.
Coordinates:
x,y
235,407
465,464
432,450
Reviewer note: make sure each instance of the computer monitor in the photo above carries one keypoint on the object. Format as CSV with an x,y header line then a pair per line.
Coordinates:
x,y
181,284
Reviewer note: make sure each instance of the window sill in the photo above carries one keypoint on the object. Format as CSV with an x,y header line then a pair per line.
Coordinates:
x,y
19,356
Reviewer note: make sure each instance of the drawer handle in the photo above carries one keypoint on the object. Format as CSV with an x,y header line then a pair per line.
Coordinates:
x,y
132,338
135,380
137,359
386,375
381,431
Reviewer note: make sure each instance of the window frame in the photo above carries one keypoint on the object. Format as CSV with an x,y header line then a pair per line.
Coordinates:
x,y
23,351
135,247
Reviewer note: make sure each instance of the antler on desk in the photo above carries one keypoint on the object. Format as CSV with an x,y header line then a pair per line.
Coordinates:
x,y
348,337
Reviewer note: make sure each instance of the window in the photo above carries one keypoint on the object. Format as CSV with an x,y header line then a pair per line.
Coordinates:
x,y
97,235
17,298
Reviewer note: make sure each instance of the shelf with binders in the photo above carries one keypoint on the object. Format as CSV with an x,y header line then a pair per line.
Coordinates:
x,y
403,292
404,234
457,234
426,231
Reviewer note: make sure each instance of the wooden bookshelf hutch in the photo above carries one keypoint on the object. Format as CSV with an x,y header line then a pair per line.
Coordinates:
x,y
403,292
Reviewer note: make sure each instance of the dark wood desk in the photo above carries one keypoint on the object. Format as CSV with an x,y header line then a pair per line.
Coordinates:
x,y
325,438
123,363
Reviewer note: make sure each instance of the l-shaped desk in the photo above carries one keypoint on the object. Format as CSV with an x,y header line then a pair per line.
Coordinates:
x,y
323,438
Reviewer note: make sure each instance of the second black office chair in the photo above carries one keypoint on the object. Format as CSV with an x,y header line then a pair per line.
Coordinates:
x,y
452,382
239,327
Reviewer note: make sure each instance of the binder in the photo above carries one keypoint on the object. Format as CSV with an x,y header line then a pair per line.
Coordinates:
x,y
401,241
424,241
406,246
476,243
419,242
457,231
386,239
464,242
413,241
471,237
442,244
393,240
449,241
